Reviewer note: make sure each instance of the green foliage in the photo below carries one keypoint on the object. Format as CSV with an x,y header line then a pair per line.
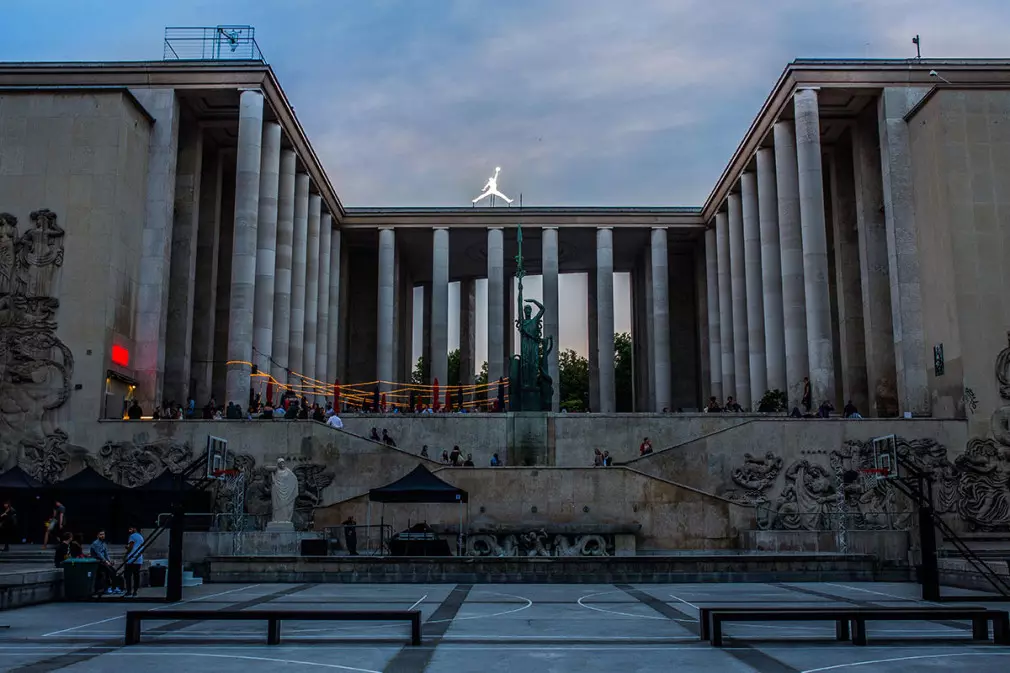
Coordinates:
x,y
454,373
623,368
482,377
772,400
573,372
420,374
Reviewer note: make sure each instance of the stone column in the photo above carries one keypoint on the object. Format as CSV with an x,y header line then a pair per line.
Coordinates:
x,y
910,358
714,336
266,251
205,273
738,282
875,277
649,340
153,285
384,323
605,316
725,306
509,324
467,330
755,296
296,346
312,286
771,270
495,305
659,318
222,307
333,331
282,268
243,256
439,357
182,267
794,309
820,354
551,307
851,335
323,321
426,326
593,329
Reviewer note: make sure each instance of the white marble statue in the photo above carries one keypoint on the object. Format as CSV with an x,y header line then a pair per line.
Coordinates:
x,y
491,188
283,493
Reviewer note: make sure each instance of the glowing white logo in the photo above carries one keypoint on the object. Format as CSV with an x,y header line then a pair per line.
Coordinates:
x,y
491,189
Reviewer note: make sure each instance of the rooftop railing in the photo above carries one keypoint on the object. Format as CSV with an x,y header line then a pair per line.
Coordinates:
x,y
217,43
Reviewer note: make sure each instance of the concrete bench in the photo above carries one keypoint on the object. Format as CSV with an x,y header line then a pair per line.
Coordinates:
x,y
712,618
273,618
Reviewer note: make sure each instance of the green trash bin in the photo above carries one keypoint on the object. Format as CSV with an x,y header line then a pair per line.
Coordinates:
x,y
79,578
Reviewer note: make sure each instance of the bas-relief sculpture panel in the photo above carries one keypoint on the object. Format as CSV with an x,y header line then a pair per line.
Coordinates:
x,y
36,367
973,488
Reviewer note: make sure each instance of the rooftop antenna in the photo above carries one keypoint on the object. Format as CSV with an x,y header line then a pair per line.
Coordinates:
x,y
933,73
918,48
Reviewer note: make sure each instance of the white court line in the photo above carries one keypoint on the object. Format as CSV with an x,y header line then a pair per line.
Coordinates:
x,y
624,614
683,601
871,591
111,619
419,600
122,653
911,658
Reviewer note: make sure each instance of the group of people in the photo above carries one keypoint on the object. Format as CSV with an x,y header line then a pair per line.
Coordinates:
x,y
455,458
823,411
106,577
602,458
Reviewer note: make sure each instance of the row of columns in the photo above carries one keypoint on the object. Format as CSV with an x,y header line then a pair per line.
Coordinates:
x,y
500,313
779,309
285,264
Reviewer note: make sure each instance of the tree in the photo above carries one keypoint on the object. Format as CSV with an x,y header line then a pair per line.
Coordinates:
x,y
454,373
421,370
573,375
623,378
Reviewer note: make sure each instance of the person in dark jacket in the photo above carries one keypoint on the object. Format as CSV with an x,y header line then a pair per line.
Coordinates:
x,y
62,552
351,535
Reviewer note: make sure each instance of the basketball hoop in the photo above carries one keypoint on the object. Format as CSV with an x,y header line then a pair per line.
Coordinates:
x,y
875,473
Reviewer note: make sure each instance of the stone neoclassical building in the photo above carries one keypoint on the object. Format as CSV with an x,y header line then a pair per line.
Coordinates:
x,y
161,220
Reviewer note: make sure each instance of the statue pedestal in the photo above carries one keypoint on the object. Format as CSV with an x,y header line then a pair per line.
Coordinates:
x,y
280,527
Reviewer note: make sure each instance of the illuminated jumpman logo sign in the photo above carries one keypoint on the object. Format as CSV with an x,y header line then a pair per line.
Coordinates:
x,y
491,189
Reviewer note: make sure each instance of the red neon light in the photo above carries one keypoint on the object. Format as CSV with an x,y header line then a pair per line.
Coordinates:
x,y
120,356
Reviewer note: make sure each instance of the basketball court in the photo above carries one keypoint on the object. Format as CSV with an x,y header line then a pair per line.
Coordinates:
x,y
491,627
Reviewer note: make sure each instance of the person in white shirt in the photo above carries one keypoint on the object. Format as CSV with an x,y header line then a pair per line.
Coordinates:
x,y
335,422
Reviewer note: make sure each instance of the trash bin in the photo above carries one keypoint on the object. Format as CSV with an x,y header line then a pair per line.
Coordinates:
x,y
79,578
156,575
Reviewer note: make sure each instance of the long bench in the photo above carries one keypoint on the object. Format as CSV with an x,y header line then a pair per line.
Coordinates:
x,y
712,618
273,619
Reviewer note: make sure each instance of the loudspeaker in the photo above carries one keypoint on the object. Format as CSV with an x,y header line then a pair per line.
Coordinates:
x,y
314,547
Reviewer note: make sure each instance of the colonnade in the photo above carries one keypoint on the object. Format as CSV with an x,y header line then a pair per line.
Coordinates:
x,y
800,281
264,285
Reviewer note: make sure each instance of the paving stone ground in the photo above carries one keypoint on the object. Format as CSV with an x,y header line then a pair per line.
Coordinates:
x,y
490,628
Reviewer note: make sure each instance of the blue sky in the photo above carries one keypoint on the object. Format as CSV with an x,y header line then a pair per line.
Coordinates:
x,y
582,102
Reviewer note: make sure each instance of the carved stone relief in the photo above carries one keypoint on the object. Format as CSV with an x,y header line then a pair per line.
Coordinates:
x,y
313,478
538,543
36,367
134,463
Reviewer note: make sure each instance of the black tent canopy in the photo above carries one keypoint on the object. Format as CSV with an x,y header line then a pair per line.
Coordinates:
x,y
18,478
420,485
87,479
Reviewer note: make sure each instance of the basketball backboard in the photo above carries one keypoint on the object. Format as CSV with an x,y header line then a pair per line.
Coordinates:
x,y
217,455
885,456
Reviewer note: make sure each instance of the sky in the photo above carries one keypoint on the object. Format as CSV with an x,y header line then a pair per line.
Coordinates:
x,y
581,102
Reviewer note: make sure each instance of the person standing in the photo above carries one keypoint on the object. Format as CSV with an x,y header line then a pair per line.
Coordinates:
x,y
8,525
106,572
56,523
134,559
351,535
645,447
808,398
